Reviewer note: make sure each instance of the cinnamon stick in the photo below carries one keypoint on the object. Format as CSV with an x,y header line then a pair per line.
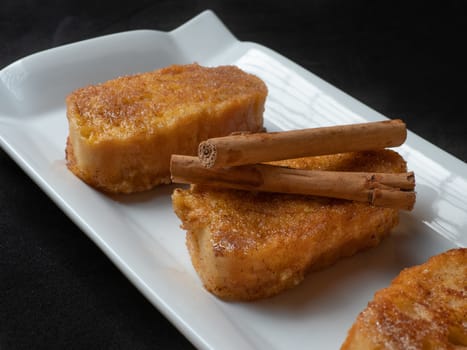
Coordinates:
x,y
394,190
264,147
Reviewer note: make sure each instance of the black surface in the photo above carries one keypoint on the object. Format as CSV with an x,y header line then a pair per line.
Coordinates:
x,y
57,290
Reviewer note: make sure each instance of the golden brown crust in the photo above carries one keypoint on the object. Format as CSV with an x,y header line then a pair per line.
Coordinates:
x,y
122,132
425,307
248,245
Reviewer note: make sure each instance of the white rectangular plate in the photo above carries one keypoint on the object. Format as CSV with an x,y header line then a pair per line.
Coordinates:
x,y
141,234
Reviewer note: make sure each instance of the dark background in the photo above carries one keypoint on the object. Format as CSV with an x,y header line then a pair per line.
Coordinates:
x,y
57,290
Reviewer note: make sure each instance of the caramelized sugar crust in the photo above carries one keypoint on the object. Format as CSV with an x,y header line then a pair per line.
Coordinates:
x,y
247,245
123,131
425,307
141,104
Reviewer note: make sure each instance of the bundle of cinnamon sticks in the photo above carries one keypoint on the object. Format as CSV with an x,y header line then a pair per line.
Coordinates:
x,y
236,161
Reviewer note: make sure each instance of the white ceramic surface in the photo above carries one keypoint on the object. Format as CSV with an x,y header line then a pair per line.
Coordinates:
x,y
141,234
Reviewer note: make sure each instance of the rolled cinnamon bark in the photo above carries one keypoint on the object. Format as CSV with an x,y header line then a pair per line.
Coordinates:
x,y
394,190
254,148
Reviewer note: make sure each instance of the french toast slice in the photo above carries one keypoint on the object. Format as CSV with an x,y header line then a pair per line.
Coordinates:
x,y
425,307
123,131
247,245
